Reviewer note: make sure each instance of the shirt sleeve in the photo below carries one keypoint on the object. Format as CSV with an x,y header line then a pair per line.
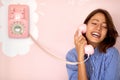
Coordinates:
x,y
112,65
72,69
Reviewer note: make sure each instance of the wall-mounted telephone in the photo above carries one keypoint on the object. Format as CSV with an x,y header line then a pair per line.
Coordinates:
x,y
18,21
88,48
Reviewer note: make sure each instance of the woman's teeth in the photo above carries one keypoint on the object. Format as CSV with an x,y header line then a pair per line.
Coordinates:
x,y
96,35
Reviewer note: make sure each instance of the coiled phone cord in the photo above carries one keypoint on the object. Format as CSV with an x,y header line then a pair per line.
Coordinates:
x,y
54,56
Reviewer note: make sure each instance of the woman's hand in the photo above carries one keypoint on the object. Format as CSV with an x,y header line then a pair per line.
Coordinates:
x,y
80,42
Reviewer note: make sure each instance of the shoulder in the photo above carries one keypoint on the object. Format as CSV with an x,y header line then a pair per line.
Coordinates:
x,y
71,55
112,51
112,56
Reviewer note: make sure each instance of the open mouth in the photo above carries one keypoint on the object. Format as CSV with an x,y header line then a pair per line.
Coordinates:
x,y
96,34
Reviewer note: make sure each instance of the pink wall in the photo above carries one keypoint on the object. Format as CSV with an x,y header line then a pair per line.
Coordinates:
x,y
58,20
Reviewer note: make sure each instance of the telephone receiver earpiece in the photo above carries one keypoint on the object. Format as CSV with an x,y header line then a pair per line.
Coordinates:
x,y
88,48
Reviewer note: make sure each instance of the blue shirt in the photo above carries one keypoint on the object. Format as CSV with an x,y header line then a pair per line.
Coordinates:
x,y
99,66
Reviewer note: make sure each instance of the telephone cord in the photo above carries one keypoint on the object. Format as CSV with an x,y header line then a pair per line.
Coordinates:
x,y
54,56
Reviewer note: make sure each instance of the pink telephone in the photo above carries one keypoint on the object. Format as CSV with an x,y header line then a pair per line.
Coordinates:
x,y
18,21
88,48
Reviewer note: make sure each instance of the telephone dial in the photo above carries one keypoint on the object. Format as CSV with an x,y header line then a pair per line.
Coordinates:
x,y
18,21
88,48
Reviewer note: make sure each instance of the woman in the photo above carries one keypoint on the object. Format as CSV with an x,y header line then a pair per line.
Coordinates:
x,y
104,64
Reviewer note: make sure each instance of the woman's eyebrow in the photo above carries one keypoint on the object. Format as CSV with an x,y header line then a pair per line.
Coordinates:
x,y
95,20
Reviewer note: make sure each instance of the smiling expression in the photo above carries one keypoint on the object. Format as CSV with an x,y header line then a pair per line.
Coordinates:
x,y
96,29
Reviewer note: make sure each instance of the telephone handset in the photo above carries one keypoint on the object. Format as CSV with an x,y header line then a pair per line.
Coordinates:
x,y
18,21
88,48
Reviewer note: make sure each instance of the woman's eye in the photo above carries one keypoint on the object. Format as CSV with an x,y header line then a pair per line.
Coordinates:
x,y
94,23
104,26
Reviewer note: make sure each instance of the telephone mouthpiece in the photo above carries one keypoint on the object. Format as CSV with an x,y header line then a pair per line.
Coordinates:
x,y
89,49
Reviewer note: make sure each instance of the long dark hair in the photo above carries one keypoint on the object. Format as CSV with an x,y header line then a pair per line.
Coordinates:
x,y
112,33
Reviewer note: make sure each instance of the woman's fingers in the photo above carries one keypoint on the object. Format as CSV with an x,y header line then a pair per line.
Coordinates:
x,y
80,42
78,38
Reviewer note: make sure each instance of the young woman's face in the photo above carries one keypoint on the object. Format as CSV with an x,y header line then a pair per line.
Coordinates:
x,y
96,29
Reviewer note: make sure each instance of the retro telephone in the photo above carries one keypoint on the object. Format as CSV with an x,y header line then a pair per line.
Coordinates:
x,y
18,27
88,48
18,21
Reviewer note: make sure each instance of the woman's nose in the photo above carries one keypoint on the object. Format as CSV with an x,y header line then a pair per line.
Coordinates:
x,y
98,27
